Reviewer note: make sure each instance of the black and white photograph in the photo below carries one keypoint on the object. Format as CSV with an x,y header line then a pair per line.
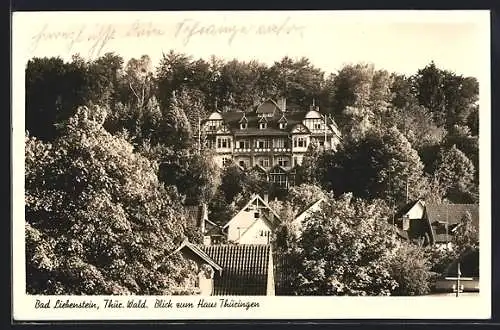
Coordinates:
x,y
181,164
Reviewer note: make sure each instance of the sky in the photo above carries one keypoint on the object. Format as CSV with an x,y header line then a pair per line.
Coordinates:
x,y
397,41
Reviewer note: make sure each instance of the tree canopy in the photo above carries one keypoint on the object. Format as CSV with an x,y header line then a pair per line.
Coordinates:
x,y
98,221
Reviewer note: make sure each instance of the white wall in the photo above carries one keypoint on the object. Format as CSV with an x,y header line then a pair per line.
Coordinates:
x,y
253,234
239,224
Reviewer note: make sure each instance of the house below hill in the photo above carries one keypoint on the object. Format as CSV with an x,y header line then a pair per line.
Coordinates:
x,y
431,224
232,270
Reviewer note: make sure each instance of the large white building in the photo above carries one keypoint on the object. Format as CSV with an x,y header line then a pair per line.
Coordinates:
x,y
271,137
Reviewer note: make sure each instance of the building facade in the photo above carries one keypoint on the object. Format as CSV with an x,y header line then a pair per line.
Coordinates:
x,y
272,137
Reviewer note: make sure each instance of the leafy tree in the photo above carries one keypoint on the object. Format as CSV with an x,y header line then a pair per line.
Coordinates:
x,y
382,165
176,131
304,195
98,221
462,138
410,268
417,125
466,236
298,80
195,175
138,79
455,175
307,171
345,249
429,83
449,97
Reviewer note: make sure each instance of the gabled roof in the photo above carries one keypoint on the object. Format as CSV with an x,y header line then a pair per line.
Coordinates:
x,y
449,214
246,268
267,107
243,119
452,213
406,208
309,207
258,167
254,198
278,169
264,218
200,253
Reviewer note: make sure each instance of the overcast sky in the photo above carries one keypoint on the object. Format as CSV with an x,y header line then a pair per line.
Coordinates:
x,y
398,41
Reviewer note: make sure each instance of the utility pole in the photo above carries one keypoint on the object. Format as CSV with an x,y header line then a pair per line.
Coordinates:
x,y
457,287
199,133
407,190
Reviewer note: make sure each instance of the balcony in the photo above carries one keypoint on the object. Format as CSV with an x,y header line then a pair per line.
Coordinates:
x,y
242,150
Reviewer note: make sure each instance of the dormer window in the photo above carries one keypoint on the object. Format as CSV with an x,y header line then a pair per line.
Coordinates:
x,y
243,125
262,125
282,125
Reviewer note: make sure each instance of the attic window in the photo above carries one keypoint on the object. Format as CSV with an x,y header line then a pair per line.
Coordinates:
x,y
256,215
282,125
262,125
243,125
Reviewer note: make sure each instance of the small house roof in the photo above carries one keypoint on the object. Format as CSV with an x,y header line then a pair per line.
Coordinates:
x,y
452,213
252,199
200,253
246,268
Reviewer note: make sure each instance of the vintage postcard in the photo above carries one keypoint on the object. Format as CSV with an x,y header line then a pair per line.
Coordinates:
x,y
251,165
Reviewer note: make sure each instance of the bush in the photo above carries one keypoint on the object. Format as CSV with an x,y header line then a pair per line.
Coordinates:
x,y
410,268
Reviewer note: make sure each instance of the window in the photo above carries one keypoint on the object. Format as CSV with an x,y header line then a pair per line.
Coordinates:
x,y
262,144
262,125
242,163
256,215
226,161
243,144
299,142
243,125
280,143
278,179
317,126
264,162
223,143
321,143
282,125
210,144
295,161
282,161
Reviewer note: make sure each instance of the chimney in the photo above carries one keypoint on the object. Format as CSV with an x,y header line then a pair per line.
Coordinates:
x,y
266,197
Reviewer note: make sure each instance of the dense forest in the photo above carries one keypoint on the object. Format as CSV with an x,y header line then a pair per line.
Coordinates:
x,y
109,139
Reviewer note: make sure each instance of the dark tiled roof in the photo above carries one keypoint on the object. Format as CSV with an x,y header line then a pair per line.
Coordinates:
x,y
196,250
245,268
449,214
452,213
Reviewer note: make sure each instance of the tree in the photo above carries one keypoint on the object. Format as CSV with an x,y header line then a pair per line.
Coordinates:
x,y
304,195
195,175
410,268
98,221
345,249
307,171
455,175
381,165
138,79
176,131
466,236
